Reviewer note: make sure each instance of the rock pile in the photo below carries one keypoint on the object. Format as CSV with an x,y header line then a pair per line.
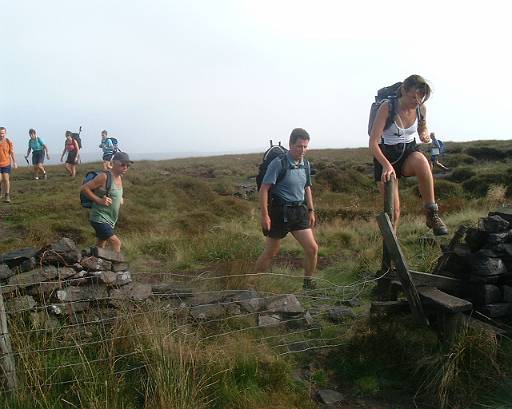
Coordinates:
x,y
483,261
61,280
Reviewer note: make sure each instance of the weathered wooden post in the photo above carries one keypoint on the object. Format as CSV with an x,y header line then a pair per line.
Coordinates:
x,y
384,290
7,365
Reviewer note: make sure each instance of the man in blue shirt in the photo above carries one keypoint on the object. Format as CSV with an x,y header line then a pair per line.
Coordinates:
x,y
108,150
287,206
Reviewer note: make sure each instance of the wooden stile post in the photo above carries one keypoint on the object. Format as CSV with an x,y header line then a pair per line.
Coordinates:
x,y
389,210
7,365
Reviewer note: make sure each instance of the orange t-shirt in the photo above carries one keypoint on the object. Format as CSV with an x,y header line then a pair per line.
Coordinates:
x,y
5,153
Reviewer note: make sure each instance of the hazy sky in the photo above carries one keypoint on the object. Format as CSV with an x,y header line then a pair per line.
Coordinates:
x,y
219,75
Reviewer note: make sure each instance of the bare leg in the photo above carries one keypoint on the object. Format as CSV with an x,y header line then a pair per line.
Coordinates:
x,y
265,259
115,243
101,243
417,165
6,184
307,240
68,169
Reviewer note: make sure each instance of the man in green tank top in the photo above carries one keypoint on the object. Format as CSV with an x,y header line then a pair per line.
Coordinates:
x,y
105,206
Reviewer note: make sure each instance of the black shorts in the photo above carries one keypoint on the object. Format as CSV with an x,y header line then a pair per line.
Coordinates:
x,y
37,157
285,219
103,230
396,155
71,159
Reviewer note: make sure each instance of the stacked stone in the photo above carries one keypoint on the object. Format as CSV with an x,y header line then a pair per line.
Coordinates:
x,y
484,263
62,280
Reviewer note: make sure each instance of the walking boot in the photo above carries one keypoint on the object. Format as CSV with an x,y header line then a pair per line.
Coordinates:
x,y
434,222
309,284
7,198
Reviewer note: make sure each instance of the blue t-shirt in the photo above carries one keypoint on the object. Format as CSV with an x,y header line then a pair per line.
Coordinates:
x,y
107,146
36,144
291,187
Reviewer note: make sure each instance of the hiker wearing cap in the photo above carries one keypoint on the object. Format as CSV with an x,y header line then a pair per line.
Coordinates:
x,y
436,150
73,154
107,147
39,149
394,147
105,208
287,206
7,163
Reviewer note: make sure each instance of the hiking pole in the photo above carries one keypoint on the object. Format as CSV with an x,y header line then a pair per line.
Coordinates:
x,y
26,160
80,130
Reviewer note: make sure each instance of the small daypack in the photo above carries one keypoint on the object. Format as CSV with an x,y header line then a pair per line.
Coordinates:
x,y
390,95
114,144
76,137
84,200
276,151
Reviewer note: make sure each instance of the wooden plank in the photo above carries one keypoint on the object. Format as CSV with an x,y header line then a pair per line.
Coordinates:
x,y
7,364
446,301
402,269
389,210
433,280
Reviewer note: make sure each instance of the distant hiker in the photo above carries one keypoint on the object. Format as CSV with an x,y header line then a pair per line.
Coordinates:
x,y
7,162
393,144
73,154
287,206
436,149
39,149
108,150
106,201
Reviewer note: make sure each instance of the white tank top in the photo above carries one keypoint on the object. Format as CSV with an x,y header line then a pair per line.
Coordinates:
x,y
394,134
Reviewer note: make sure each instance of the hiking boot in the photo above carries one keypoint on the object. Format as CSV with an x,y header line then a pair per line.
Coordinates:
x,y
45,176
309,284
7,198
434,222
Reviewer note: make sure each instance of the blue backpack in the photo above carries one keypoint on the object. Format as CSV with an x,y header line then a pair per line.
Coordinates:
x,y
84,200
114,144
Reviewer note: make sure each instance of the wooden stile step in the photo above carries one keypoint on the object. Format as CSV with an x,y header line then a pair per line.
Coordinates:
x,y
446,301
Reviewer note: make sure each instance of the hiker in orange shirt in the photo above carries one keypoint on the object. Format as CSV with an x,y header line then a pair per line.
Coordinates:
x,y
7,162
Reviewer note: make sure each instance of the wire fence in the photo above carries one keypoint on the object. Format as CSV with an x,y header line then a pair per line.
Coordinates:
x,y
48,347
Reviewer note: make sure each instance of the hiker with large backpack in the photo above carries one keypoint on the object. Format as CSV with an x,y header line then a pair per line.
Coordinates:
x,y
436,150
109,148
7,163
39,149
286,203
397,117
105,194
72,148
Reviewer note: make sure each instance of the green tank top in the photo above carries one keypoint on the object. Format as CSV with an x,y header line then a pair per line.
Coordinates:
x,y
107,214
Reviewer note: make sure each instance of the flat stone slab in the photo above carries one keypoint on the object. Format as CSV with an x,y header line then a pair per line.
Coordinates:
x,y
119,266
20,304
63,251
269,320
5,272
113,279
107,254
443,300
16,257
30,278
207,312
95,264
283,304
503,212
340,314
132,292
330,397
90,292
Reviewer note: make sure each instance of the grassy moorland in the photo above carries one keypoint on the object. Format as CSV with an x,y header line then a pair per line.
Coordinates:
x,y
196,218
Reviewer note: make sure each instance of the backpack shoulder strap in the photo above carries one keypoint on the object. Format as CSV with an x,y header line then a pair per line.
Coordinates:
x,y
284,169
108,185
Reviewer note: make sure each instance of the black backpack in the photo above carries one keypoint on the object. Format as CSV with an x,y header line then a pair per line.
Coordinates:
x,y
114,144
76,137
84,200
390,95
276,151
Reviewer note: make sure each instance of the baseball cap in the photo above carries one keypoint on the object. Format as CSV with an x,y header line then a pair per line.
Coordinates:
x,y
122,157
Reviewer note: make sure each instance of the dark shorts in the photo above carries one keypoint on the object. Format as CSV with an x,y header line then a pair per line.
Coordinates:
x,y
396,155
103,230
285,219
37,157
107,157
71,159
5,169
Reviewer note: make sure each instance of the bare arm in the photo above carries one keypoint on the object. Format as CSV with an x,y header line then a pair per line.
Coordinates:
x,y
13,158
265,218
422,125
311,208
46,150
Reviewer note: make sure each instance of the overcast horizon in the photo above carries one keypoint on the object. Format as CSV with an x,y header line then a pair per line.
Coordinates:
x,y
227,76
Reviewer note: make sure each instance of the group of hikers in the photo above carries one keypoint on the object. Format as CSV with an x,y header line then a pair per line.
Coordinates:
x,y
285,193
